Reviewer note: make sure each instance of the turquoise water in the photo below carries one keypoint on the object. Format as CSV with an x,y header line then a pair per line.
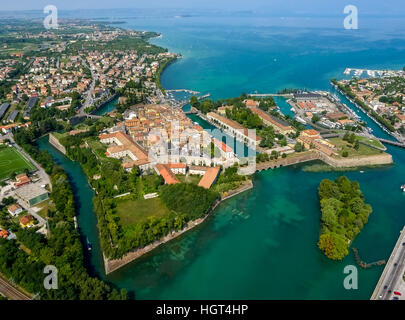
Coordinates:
x,y
108,107
262,243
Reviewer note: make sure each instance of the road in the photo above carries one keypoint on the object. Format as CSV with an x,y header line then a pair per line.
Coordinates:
x,y
391,280
11,292
89,97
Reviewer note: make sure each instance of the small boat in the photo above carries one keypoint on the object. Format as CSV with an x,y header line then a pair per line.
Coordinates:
x,y
361,171
403,188
88,244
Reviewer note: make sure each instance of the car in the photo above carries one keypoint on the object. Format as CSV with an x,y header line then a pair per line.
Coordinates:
x,y
397,293
403,243
385,287
395,298
389,291
395,264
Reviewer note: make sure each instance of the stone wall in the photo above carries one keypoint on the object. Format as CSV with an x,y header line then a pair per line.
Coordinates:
x,y
55,142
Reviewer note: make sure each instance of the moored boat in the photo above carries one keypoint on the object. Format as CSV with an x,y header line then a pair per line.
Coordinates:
x,y
88,244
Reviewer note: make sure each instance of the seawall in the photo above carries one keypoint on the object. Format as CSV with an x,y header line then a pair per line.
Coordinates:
x,y
55,142
380,159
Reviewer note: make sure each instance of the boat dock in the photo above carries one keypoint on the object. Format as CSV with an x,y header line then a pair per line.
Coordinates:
x,y
263,95
183,90
391,279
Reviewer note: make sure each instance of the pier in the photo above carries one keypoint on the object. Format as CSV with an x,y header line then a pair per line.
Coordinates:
x,y
264,95
183,90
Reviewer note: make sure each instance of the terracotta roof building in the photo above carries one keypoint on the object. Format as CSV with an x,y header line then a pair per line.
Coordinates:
x,y
22,179
125,147
167,174
236,129
26,221
14,209
209,177
278,124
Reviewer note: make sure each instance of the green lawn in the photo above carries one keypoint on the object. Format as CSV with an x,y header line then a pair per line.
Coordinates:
x,y
194,179
362,151
12,161
97,147
45,207
371,142
134,211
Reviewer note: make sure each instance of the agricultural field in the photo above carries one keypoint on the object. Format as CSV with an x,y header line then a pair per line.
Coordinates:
x,y
11,161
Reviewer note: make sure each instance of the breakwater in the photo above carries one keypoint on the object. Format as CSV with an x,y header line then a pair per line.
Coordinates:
x,y
366,265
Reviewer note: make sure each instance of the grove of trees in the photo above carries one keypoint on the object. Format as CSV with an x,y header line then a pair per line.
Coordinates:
x,y
343,215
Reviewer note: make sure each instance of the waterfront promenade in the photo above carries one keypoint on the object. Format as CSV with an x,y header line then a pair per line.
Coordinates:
x,y
391,279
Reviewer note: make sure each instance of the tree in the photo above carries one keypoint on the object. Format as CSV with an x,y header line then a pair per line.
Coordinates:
x,y
343,215
315,118
298,147
193,100
333,245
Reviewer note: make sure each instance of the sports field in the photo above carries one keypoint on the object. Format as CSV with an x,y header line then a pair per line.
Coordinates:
x,y
12,161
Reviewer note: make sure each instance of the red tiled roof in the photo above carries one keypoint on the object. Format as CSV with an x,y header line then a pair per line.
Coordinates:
x,y
177,165
26,220
223,146
167,174
209,177
311,132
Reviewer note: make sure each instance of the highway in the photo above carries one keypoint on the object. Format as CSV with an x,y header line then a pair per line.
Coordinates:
x,y
392,277
11,292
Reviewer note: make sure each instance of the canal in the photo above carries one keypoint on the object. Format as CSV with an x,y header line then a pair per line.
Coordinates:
x,y
268,226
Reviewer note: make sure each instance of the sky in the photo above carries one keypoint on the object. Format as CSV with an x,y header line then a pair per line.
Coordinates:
x,y
284,7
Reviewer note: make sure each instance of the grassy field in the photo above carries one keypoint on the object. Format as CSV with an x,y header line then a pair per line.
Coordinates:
x,y
361,152
12,161
134,211
194,179
45,207
98,148
372,142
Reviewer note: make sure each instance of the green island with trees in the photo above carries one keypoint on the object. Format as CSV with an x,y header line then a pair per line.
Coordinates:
x,y
343,215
